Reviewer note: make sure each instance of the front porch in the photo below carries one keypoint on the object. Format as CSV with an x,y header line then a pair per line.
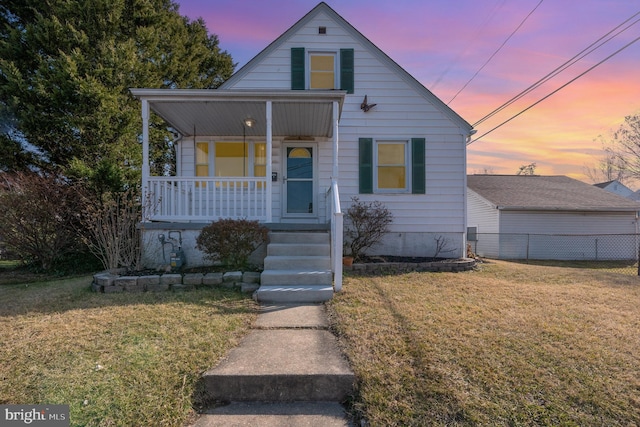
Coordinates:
x,y
245,155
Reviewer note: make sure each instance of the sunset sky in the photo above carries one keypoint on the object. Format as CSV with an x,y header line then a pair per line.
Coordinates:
x,y
443,43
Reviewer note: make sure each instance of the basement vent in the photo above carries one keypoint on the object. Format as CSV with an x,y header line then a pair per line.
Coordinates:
x,y
322,30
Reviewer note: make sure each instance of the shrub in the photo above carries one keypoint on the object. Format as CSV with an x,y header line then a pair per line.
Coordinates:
x,y
111,228
365,226
231,241
40,218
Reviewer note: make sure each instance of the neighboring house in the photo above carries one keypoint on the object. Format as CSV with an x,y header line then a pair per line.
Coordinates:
x,y
616,187
548,217
320,115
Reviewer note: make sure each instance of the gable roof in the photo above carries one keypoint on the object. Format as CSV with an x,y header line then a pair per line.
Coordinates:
x,y
323,7
555,193
605,184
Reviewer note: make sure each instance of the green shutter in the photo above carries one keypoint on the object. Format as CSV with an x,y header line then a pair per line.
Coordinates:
x,y
366,165
418,168
297,68
346,70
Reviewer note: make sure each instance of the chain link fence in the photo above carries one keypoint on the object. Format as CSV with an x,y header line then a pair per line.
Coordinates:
x,y
615,252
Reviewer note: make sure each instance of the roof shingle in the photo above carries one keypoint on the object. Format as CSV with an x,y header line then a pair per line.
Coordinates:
x,y
534,192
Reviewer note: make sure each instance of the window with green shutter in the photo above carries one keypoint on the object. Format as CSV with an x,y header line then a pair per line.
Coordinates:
x,y
392,166
418,168
366,165
347,70
297,68
322,69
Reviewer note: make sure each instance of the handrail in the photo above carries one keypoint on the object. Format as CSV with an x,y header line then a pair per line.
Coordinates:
x,y
337,227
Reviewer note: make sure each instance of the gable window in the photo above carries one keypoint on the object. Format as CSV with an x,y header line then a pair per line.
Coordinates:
x,y
392,166
322,69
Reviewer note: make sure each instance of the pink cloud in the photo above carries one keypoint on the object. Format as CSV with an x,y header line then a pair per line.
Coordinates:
x,y
443,43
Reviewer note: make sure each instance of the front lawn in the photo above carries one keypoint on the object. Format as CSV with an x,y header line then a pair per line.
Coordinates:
x,y
116,359
508,345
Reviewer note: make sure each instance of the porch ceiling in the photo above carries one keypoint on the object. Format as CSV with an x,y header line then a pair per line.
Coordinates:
x,y
222,112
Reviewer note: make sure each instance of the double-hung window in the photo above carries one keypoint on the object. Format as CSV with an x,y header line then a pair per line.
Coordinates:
x,y
322,70
231,159
392,166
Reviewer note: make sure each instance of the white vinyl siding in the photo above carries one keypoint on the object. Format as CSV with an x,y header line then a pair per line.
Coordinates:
x,y
567,222
402,112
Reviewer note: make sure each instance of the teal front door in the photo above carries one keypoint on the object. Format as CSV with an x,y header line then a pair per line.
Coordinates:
x,y
299,180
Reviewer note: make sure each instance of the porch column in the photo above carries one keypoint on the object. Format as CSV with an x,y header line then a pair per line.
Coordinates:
x,y
145,154
336,112
269,162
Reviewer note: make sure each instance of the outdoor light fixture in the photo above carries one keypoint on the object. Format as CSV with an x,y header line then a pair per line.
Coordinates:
x,y
249,122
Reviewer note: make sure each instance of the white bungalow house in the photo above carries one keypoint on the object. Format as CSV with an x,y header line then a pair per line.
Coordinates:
x,y
550,218
319,116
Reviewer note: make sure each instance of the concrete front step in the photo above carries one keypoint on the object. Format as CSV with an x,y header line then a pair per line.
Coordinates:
x,y
297,262
299,237
280,366
294,294
290,414
302,249
296,277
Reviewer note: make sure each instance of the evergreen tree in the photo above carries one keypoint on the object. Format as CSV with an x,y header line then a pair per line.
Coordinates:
x,y
66,67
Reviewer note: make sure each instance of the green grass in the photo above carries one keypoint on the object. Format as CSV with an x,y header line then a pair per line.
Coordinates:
x,y
508,345
116,359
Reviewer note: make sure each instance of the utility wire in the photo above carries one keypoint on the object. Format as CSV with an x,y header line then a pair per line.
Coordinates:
x,y
496,52
557,90
586,51
475,37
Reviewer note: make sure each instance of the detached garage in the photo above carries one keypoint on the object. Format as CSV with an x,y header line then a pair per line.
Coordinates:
x,y
549,217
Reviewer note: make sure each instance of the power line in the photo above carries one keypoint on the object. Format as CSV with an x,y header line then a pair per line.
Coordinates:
x,y
586,51
557,90
496,52
475,37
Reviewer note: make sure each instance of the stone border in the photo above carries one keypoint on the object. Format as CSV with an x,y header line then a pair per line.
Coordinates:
x,y
453,266
106,282
249,281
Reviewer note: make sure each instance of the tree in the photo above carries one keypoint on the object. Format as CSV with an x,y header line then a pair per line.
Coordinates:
x,y
40,217
626,145
621,154
529,169
66,67
608,167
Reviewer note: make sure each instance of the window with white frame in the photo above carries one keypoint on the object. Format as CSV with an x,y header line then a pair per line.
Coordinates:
x,y
323,70
391,172
231,159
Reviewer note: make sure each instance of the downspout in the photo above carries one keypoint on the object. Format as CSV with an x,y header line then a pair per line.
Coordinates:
x,y
465,141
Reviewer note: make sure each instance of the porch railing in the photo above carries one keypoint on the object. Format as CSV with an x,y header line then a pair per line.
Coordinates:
x,y
205,199
336,233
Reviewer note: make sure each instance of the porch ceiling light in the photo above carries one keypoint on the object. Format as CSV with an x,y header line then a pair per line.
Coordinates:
x,y
249,122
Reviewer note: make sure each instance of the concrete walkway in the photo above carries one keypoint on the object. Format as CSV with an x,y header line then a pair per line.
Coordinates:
x,y
288,371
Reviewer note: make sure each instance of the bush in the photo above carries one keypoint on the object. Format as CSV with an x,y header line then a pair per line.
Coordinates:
x,y
231,241
365,226
111,230
40,218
